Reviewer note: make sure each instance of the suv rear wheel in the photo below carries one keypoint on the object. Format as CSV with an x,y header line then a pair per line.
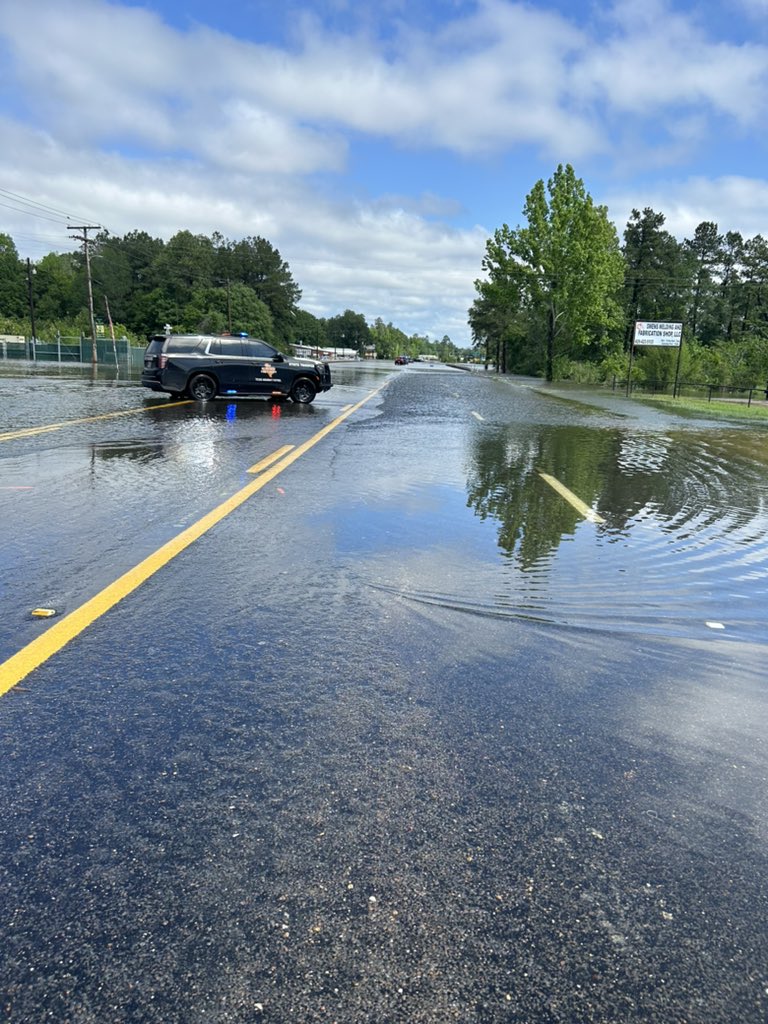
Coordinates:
x,y
202,387
303,391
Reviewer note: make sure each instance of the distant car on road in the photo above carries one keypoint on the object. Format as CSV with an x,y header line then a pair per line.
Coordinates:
x,y
402,360
204,366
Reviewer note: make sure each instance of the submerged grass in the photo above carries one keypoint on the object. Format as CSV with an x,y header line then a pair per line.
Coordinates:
x,y
727,409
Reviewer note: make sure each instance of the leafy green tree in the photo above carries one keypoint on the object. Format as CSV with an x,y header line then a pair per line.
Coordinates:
x,y
657,280
349,330
186,262
486,324
151,310
573,266
13,280
112,277
122,270
566,267
753,301
704,253
446,350
252,314
256,263
209,311
308,329
498,312
389,340
418,343
732,257
56,297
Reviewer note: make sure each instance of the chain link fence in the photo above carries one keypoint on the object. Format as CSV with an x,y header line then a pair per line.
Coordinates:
x,y
748,393
119,353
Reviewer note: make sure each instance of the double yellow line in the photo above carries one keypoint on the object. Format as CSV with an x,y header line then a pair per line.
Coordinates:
x,y
19,665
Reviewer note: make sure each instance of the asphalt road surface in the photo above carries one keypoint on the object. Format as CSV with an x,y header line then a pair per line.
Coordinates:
x,y
442,699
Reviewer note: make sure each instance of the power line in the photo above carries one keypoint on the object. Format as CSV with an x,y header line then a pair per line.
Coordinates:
x,y
34,208
32,202
39,216
43,239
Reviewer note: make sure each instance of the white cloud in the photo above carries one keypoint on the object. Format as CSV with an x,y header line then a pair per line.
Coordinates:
x,y
249,138
506,74
734,203
195,93
657,59
494,78
381,260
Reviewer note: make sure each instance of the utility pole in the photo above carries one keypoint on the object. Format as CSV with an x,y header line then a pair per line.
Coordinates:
x,y
85,228
30,272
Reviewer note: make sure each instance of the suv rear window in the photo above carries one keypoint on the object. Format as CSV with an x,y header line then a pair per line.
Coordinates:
x,y
181,346
155,347
226,347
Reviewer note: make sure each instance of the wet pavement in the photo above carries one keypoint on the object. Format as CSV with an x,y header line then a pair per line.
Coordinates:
x,y
404,738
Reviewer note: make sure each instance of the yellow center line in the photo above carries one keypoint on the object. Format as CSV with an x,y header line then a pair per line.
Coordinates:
x,y
19,665
571,498
31,431
257,468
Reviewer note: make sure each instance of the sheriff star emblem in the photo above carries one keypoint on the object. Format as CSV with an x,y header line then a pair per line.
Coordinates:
x,y
269,369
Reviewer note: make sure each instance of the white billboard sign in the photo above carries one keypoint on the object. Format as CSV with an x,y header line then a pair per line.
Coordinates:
x,y
656,332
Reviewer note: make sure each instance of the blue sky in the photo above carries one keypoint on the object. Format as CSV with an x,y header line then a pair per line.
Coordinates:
x,y
376,145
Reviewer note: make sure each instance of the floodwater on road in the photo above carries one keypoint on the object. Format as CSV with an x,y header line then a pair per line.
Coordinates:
x,y
681,548
407,737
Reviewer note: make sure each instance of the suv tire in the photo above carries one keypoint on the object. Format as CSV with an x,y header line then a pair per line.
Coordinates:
x,y
202,387
303,391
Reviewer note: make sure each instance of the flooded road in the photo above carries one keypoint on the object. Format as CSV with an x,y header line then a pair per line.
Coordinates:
x,y
409,735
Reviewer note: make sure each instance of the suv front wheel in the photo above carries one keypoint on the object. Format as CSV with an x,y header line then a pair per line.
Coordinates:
x,y
202,387
303,391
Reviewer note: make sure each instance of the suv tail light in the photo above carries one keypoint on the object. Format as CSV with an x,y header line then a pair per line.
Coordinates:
x,y
162,362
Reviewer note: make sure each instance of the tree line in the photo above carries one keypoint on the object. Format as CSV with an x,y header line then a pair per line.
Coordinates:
x,y
194,283
560,295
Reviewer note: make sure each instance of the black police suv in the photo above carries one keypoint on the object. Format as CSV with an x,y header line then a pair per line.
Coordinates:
x,y
203,366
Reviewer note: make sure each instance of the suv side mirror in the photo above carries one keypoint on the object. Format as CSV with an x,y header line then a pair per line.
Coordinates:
x,y
277,358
